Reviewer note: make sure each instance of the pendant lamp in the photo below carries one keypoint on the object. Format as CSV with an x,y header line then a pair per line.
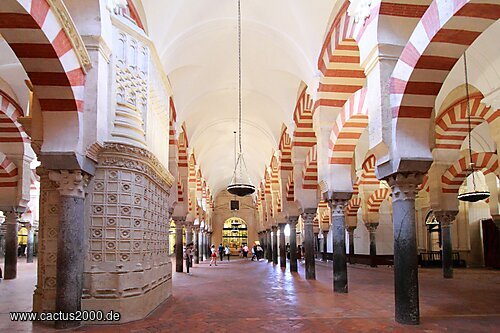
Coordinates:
x,y
472,194
240,183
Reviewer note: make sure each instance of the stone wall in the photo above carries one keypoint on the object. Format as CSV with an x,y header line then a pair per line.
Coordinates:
x,y
127,268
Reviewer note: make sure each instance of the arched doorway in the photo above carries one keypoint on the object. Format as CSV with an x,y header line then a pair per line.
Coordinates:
x,y
234,233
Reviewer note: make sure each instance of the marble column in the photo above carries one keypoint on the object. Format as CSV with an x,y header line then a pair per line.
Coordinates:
x,y
275,244
29,247
209,244
282,245
196,245
445,219
189,233
337,204
350,231
316,244
372,230
404,190
202,245
325,248
70,241
179,255
269,252
308,217
10,261
292,222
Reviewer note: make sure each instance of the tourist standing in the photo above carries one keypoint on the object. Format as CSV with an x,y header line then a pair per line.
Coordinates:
x,y
187,256
213,255
221,252
227,251
245,251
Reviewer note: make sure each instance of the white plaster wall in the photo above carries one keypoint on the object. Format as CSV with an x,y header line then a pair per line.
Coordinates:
x,y
385,237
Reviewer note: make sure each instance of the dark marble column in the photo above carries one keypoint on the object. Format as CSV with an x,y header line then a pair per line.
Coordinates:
x,y
350,231
404,190
337,204
445,219
325,248
372,230
269,252
275,244
179,255
203,246
29,247
70,242
292,222
282,245
209,244
308,217
189,233
196,245
10,263
316,244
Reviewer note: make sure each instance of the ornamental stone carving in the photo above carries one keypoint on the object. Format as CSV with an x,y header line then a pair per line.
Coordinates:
x,y
371,227
404,185
309,215
71,183
446,217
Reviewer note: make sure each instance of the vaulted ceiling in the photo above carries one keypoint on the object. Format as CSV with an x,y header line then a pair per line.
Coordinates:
x,y
197,43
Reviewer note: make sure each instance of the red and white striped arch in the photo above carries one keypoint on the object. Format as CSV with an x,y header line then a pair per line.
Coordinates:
x,y
347,129
290,190
304,135
376,199
173,119
355,187
353,206
368,172
324,215
453,178
35,34
339,62
425,184
8,172
440,38
286,151
180,191
452,125
183,150
11,131
310,171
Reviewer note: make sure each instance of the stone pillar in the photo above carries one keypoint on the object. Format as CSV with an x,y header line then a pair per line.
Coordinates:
x,y
179,262
275,244
292,222
203,245
372,229
325,249
337,204
308,217
316,244
445,219
350,231
29,247
70,241
404,190
282,245
209,244
269,252
196,245
10,264
189,233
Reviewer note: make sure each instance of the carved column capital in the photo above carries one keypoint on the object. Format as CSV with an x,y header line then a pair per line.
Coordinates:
x,y
371,227
337,206
274,228
308,215
179,221
72,183
404,185
350,228
446,217
292,220
12,215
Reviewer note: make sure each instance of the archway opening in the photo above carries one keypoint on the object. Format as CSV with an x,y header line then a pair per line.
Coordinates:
x,y
234,233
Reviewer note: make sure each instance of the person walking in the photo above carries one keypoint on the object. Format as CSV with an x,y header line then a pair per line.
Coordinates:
x,y
245,251
254,252
221,252
188,257
260,252
227,251
213,255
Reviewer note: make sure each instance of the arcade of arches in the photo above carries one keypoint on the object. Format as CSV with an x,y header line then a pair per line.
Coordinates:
x,y
116,144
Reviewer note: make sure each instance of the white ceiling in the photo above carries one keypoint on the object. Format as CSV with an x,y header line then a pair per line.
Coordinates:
x,y
197,44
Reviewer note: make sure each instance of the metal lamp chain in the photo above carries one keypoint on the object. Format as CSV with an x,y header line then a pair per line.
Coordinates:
x,y
468,120
239,72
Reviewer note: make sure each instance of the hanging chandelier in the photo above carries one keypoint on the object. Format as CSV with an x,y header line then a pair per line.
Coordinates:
x,y
240,183
473,195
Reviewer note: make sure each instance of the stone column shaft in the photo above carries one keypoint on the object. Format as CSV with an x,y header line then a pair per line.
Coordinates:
x,y
29,248
70,240
275,244
197,246
325,248
309,239
445,219
404,190
282,246
11,245
337,204
179,262
189,234
269,252
292,222
350,231
372,230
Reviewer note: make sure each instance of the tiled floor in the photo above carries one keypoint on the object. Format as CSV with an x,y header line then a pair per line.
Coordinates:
x,y
245,296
